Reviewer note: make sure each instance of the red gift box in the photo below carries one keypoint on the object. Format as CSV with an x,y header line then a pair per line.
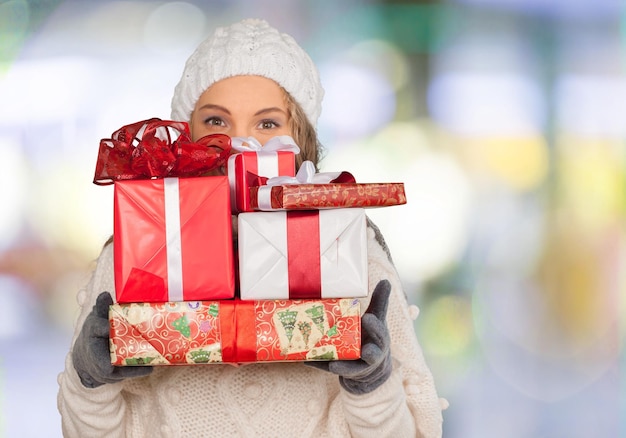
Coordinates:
x,y
173,240
310,190
275,158
234,331
319,196
172,237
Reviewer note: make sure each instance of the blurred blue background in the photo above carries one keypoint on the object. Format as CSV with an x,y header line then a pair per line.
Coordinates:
x,y
505,119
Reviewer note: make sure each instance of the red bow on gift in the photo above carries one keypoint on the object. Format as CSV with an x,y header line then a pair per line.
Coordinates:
x,y
156,148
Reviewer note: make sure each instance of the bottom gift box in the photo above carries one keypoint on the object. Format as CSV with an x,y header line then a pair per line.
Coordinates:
x,y
234,331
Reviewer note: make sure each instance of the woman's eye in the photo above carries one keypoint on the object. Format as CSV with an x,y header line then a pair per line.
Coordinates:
x,y
268,124
214,121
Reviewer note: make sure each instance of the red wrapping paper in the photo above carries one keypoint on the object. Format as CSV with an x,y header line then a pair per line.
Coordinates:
x,y
149,264
320,196
233,331
243,167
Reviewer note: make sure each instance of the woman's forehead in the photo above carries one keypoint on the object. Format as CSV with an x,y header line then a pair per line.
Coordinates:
x,y
249,84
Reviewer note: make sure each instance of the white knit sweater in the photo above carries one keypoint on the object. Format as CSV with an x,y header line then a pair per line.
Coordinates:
x,y
258,400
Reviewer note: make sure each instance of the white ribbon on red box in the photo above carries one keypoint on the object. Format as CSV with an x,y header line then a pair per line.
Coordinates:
x,y
266,156
173,239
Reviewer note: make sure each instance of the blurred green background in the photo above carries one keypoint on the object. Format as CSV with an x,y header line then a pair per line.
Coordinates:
x,y
505,119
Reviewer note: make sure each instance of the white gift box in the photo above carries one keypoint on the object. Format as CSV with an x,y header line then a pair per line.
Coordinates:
x,y
303,254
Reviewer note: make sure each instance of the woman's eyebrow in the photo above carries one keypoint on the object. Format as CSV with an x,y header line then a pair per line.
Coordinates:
x,y
213,106
269,110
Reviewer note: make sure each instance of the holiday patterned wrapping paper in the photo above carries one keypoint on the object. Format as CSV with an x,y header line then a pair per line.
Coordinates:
x,y
234,331
310,254
319,196
173,240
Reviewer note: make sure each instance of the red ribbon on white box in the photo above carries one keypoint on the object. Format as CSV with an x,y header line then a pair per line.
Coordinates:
x,y
303,260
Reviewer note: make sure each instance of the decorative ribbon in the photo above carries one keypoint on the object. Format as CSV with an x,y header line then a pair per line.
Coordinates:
x,y
306,175
267,162
278,143
237,329
173,239
156,148
303,259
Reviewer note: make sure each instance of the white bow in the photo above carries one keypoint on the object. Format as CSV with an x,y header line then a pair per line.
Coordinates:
x,y
306,175
278,143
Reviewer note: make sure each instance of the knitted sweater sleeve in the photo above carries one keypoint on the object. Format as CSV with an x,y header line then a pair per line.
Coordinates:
x,y
85,411
407,404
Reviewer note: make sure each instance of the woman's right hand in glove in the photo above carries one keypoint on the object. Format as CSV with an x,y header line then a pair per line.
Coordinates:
x,y
91,355
364,375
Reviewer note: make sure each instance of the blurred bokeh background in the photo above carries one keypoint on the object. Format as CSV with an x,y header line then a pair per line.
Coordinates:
x,y
505,119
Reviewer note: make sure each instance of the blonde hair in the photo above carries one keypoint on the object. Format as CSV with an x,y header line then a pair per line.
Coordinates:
x,y
303,132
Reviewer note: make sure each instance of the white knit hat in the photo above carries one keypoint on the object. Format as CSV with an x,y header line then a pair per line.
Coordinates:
x,y
250,47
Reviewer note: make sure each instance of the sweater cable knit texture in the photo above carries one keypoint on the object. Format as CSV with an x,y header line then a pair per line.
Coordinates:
x,y
258,400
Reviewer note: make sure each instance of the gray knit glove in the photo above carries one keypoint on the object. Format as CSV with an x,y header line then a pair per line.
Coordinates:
x,y
374,368
91,355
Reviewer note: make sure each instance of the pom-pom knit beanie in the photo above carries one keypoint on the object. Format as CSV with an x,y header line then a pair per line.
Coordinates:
x,y
249,47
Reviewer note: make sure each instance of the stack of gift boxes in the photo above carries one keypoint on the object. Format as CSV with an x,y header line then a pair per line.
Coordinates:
x,y
287,289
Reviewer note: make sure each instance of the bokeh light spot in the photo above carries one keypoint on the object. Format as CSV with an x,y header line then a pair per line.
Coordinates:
x,y
487,103
174,27
14,179
520,162
358,101
593,179
447,327
604,100
76,216
383,57
117,24
14,20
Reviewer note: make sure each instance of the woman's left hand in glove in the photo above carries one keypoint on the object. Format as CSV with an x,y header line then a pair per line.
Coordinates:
x,y
374,367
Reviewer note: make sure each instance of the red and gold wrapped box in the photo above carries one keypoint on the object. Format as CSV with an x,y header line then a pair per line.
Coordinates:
x,y
234,331
310,190
319,196
275,158
173,240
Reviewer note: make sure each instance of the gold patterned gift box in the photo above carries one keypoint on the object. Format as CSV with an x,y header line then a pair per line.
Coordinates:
x,y
319,196
234,331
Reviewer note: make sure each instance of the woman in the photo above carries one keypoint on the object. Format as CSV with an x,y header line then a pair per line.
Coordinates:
x,y
250,80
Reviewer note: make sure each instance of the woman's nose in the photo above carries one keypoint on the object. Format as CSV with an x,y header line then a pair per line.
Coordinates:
x,y
238,131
